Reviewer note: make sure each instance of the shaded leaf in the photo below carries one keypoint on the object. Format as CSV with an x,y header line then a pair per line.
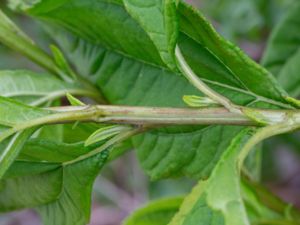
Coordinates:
x,y
29,191
265,208
38,150
61,62
159,212
75,196
218,200
56,188
282,54
14,38
28,168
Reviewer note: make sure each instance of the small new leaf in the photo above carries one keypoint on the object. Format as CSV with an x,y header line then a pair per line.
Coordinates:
x,y
106,133
199,101
74,101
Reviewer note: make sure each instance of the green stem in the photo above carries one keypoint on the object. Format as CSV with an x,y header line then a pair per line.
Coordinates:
x,y
134,116
287,125
14,38
158,115
151,116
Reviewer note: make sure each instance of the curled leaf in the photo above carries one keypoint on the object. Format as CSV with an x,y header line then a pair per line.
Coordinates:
x,y
73,100
199,101
105,133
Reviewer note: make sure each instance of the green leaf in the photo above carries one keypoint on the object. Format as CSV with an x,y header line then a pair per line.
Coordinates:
x,y
198,101
241,71
74,101
39,150
30,191
282,54
265,208
61,62
29,168
35,89
14,38
128,70
57,143
159,212
218,200
159,20
13,113
57,186
12,149
75,196
106,133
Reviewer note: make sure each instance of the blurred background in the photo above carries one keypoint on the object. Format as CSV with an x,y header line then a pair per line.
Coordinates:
x,y
122,186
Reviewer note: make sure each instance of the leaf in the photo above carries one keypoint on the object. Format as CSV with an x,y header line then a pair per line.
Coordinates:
x,y
106,133
159,212
282,54
38,150
29,191
13,113
218,200
12,140
57,187
29,168
75,196
244,72
12,149
35,89
159,20
127,68
74,101
61,62
265,208
198,101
